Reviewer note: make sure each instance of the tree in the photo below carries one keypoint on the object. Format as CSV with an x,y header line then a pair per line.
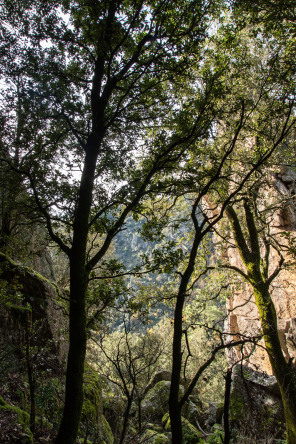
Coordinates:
x,y
129,360
96,80
232,164
13,197
257,274
122,104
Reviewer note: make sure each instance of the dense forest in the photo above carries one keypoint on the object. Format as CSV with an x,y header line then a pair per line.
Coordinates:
x,y
147,247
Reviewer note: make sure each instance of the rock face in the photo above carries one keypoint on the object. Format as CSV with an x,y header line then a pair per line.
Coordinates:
x,y
243,317
27,297
39,257
27,281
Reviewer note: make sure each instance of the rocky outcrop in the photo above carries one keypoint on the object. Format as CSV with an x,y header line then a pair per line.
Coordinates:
x,y
155,403
28,299
39,257
163,375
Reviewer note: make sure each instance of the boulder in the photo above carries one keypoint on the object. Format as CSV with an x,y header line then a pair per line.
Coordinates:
x,y
93,423
154,437
163,375
256,410
155,403
191,435
27,294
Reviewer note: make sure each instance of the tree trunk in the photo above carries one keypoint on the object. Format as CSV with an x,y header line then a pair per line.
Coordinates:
x,y
174,409
75,369
285,375
30,370
32,384
139,415
77,322
228,381
126,419
5,229
174,405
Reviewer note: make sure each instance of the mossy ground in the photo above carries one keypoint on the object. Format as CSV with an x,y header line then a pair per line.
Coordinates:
x,y
14,424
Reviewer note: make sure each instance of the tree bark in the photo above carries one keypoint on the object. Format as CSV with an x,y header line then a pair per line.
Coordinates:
x,y
228,381
77,322
31,377
174,409
126,419
250,255
285,375
174,406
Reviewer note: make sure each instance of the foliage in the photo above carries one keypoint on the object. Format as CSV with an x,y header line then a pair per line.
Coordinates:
x,y
127,79
217,437
49,401
116,109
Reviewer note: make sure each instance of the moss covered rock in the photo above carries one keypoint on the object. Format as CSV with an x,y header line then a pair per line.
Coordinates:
x,y
256,409
106,432
23,291
93,423
191,435
154,437
155,403
14,424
